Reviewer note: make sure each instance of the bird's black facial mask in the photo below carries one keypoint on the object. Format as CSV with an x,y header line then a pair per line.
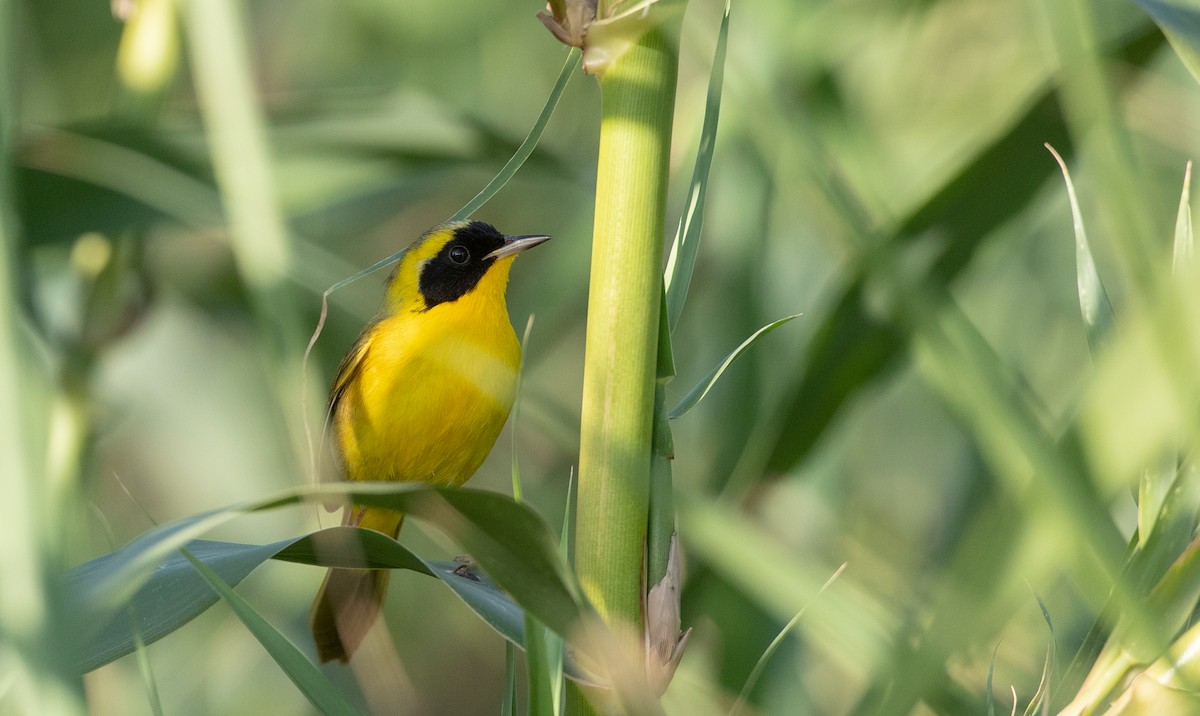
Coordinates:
x,y
457,268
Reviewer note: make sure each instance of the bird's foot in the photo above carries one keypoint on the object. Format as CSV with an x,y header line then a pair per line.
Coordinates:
x,y
466,567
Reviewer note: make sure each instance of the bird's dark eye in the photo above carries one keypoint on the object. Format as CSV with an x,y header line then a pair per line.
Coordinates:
x,y
459,255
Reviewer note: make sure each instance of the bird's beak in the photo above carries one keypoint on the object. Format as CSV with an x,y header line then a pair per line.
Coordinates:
x,y
516,244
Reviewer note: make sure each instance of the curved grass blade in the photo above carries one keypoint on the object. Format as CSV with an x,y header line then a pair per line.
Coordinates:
x,y
1156,486
555,644
527,146
1041,697
761,664
502,177
681,260
303,673
989,693
146,673
696,394
139,644
1093,299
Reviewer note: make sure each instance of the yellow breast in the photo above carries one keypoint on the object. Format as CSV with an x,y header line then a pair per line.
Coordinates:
x,y
431,395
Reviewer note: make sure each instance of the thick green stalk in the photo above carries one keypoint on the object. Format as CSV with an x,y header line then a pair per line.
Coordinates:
x,y
637,95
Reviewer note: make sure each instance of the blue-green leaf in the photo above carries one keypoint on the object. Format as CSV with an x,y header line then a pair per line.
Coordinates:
x,y
508,540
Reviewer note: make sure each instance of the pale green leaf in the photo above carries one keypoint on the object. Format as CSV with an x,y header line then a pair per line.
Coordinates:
x,y
1093,299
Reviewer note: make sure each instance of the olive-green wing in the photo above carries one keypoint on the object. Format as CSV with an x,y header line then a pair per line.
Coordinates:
x,y
347,370
351,364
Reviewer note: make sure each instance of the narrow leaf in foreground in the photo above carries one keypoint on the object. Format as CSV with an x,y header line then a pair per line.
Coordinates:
x,y
508,706
682,258
303,673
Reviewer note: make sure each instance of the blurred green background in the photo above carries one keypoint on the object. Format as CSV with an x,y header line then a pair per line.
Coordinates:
x,y
843,123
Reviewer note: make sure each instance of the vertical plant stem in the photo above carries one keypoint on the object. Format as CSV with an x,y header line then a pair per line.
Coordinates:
x,y
241,158
41,678
637,95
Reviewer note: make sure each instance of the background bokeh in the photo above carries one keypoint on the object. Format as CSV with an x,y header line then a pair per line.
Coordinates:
x,y
838,118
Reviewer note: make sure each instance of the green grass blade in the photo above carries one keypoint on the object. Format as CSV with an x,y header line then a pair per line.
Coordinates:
x,y
555,644
531,140
990,695
539,669
139,643
508,706
852,627
1156,488
502,177
697,393
761,664
1041,698
1184,245
1127,653
303,673
661,511
662,520
1093,299
681,261
538,672
515,421
144,668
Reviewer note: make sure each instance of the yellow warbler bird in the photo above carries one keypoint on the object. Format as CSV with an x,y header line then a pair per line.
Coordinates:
x,y
421,396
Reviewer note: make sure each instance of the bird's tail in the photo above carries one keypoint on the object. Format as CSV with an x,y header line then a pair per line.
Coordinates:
x,y
349,600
